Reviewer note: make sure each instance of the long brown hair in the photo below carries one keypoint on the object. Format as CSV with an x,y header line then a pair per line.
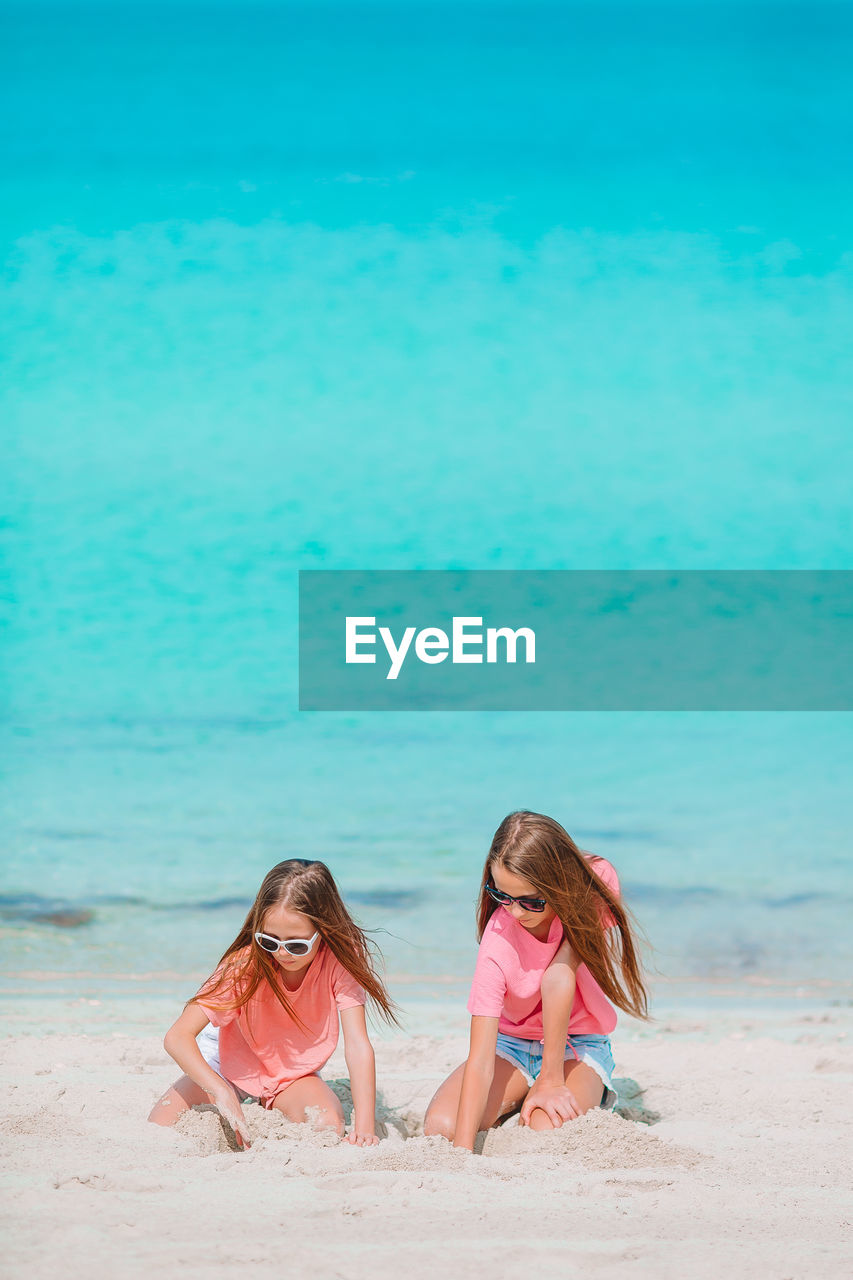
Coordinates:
x,y
537,849
307,887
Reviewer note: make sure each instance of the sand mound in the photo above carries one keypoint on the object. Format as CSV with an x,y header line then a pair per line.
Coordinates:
x,y
208,1134
598,1140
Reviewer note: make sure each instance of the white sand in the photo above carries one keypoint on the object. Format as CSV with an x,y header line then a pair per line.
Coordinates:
x,y
746,1173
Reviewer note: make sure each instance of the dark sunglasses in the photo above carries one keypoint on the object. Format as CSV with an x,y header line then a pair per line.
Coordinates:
x,y
506,900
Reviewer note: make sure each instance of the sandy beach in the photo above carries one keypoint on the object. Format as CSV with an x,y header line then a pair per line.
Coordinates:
x,y
731,1155
422,412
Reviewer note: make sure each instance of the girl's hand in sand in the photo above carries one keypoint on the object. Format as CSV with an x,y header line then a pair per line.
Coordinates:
x,y
556,1100
362,1137
228,1105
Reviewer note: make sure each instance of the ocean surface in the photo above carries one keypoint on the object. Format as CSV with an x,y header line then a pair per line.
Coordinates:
x,y
395,286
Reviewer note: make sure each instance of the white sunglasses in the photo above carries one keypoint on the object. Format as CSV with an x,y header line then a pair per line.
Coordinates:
x,y
293,946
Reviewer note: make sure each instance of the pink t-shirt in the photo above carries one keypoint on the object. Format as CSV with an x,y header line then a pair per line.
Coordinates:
x,y
509,969
262,1050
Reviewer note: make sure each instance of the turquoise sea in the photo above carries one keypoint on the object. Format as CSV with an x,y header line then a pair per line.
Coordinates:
x,y
394,286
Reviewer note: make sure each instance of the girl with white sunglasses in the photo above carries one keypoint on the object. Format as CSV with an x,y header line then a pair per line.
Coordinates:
x,y
298,964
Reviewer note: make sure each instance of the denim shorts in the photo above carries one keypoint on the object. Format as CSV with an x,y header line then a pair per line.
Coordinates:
x,y
595,1051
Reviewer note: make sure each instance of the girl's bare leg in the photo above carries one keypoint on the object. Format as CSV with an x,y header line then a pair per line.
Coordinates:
x,y
314,1095
182,1095
584,1083
508,1091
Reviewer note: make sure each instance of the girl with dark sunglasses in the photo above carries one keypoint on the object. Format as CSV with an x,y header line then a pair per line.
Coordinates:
x,y
298,964
556,954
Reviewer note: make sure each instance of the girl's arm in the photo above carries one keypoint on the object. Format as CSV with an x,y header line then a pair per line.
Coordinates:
x,y
361,1064
180,1043
550,1092
476,1080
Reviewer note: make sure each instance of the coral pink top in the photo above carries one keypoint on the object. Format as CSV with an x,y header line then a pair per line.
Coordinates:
x,y
261,1049
508,976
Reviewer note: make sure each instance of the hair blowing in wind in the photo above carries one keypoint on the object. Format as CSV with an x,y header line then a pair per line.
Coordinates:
x,y
307,887
537,849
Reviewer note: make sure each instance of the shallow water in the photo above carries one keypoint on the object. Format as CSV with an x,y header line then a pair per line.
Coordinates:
x,y
408,286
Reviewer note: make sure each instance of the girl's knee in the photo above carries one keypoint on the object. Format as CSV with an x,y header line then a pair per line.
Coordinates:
x,y
311,1102
326,1118
539,1120
177,1099
167,1109
439,1122
337,1124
